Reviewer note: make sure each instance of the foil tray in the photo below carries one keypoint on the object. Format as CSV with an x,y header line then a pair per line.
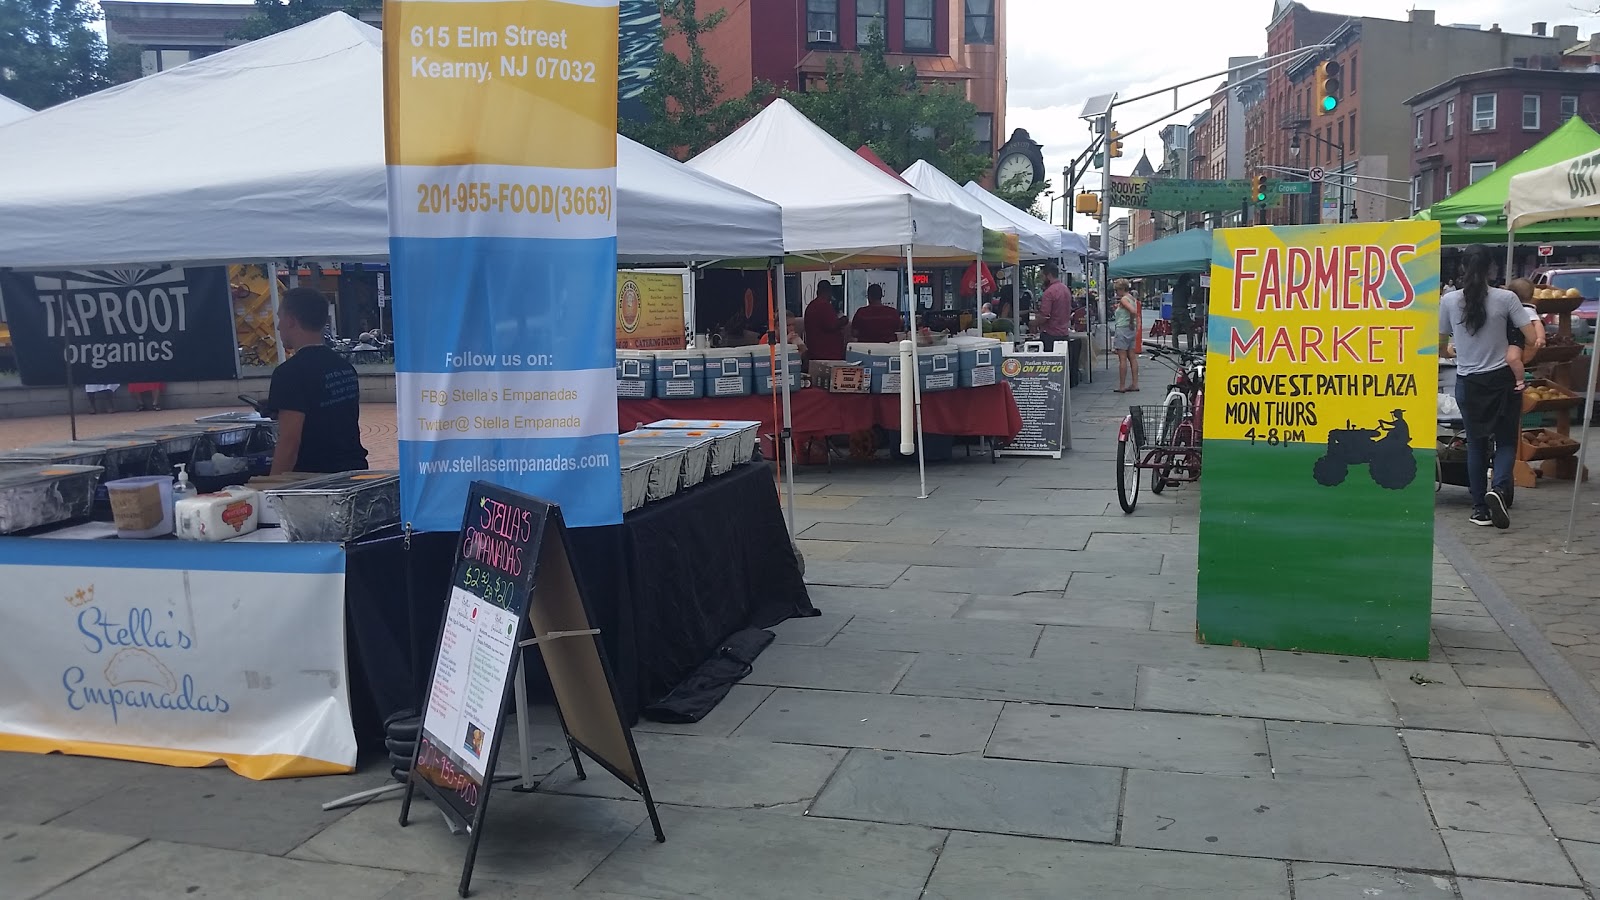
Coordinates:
x,y
746,431
338,508
635,480
696,454
36,496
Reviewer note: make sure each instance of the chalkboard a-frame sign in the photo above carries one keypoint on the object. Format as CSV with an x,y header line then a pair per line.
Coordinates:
x,y
512,573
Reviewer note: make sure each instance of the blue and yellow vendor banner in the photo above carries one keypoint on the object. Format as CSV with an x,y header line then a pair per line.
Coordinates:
x,y
500,125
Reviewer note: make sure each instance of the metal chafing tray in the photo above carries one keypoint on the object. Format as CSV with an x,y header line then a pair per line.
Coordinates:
x,y
338,508
636,467
179,444
696,453
36,496
726,444
265,436
224,437
666,469
745,431
62,454
124,458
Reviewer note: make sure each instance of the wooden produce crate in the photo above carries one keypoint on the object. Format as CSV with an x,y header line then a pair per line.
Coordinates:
x,y
1556,354
1557,305
1557,445
1561,399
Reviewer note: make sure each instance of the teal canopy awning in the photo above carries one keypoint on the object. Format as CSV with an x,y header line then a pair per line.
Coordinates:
x,y
1179,254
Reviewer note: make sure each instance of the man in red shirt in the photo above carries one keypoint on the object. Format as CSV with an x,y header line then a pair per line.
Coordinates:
x,y
824,325
1054,320
876,323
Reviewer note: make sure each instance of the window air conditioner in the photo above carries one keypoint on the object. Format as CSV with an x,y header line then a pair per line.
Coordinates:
x,y
822,37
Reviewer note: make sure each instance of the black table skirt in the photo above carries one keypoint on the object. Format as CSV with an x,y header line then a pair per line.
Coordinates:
x,y
665,587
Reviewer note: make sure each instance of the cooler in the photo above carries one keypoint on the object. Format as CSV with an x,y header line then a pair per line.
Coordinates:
x,y
765,383
729,371
980,360
940,367
680,374
636,374
882,362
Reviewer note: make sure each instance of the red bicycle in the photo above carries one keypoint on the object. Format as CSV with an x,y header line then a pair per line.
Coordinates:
x,y
1165,439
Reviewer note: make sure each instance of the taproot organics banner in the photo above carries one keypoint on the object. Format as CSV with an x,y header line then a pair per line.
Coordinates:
x,y
501,137
1316,522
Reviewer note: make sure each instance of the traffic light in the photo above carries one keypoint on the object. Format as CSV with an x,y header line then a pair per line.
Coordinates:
x,y
1114,144
1088,204
1258,188
1330,87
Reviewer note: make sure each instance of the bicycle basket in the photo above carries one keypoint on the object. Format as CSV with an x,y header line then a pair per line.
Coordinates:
x,y
1149,423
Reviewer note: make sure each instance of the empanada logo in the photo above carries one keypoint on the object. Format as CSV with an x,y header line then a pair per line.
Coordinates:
x,y
132,665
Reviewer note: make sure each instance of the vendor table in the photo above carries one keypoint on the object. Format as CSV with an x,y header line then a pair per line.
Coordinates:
x,y
186,653
988,411
665,587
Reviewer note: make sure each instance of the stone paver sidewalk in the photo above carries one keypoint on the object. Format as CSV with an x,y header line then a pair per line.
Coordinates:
x,y
1002,699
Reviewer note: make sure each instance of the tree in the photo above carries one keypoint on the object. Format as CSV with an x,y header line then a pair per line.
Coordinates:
x,y
273,16
687,111
48,51
867,101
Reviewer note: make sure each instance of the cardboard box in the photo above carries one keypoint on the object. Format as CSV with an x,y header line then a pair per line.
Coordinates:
x,y
839,377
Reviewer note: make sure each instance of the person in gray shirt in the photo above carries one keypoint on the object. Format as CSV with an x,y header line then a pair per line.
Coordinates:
x,y
1473,323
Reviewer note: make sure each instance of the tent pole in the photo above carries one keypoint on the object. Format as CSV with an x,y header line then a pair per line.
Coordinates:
x,y
694,299
916,377
272,294
1583,444
786,429
66,361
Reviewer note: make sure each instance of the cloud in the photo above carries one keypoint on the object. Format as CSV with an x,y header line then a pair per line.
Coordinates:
x,y
1062,52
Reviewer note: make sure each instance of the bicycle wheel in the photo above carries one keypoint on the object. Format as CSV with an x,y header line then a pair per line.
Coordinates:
x,y
1127,474
1171,419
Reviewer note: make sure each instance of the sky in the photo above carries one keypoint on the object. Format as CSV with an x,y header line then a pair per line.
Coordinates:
x,y
1062,52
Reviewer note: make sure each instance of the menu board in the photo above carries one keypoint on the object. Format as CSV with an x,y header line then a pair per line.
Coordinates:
x,y
1039,382
500,539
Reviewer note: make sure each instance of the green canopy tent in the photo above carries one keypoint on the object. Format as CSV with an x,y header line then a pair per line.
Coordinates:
x,y
1476,213
1179,254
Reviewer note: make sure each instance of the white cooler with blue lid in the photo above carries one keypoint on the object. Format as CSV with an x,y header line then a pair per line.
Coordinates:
x,y
636,374
729,371
680,374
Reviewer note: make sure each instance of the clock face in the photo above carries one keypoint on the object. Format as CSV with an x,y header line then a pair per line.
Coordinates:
x,y
1013,166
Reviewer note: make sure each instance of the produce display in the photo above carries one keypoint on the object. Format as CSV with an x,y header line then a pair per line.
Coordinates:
x,y
1557,294
1540,393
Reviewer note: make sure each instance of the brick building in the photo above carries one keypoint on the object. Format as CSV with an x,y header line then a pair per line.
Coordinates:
x,y
959,42
1384,62
1470,125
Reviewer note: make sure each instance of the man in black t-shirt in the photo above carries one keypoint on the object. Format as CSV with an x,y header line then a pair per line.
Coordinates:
x,y
315,395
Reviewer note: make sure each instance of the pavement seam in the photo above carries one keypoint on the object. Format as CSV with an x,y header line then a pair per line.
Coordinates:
x,y
57,887
1574,692
928,882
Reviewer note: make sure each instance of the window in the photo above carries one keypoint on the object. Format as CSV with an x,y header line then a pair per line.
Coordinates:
x,y
1341,135
868,14
1416,193
153,61
983,134
1417,141
1530,112
1351,82
919,24
822,21
1519,62
1483,112
1449,181
1478,170
1449,119
1569,107
980,21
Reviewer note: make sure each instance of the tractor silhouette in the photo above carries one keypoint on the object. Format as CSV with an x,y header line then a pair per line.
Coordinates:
x,y
1388,457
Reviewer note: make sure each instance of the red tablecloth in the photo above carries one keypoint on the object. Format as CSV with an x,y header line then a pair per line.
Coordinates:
x,y
974,412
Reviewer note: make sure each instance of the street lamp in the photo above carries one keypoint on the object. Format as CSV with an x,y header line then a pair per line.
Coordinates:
x,y
1294,151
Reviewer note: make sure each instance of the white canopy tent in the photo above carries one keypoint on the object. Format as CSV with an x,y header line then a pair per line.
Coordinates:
x,y
163,183
923,176
11,110
839,209
1067,246
211,162
836,205
670,213
1566,190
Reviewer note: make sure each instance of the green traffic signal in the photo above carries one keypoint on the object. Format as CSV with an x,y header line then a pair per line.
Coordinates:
x,y
1329,104
1261,197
